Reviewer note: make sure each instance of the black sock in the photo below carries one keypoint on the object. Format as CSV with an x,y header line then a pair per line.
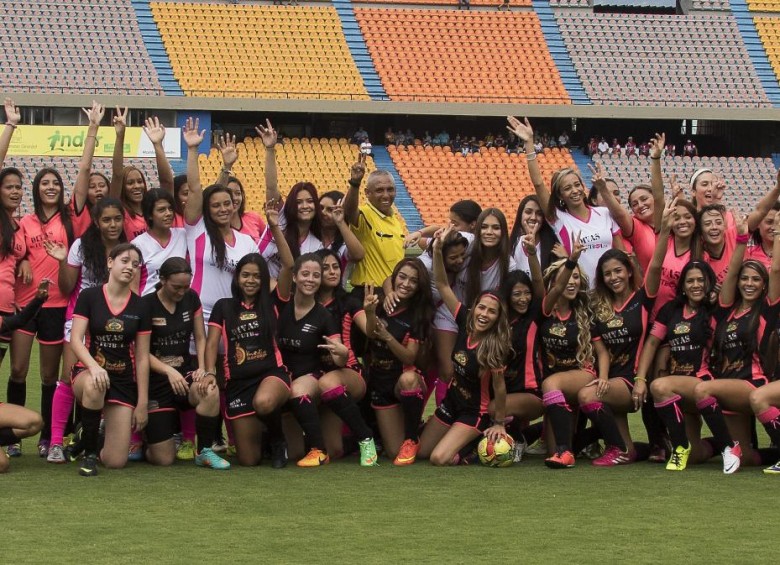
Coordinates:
x,y
413,407
653,422
468,450
90,423
713,415
273,422
8,437
559,416
673,419
604,419
16,393
585,437
308,417
345,408
3,351
204,429
47,396
768,455
533,432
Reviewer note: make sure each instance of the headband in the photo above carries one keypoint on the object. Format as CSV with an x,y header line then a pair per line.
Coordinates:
x,y
698,173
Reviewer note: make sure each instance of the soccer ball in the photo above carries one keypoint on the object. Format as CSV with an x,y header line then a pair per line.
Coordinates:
x,y
496,454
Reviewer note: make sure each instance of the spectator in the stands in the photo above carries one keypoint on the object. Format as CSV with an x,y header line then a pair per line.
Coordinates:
x,y
359,135
427,139
644,149
365,147
389,137
457,144
489,139
603,147
499,142
690,149
563,140
670,150
464,4
538,145
630,147
615,149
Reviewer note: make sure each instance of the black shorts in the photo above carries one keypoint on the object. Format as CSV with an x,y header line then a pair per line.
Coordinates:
x,y
381,390
161,426
48,325
122,388
452,411
5,337
162,397
240,393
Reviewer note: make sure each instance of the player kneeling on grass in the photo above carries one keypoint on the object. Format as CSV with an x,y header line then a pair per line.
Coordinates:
x,y
178,380
479,357
17,422
112,375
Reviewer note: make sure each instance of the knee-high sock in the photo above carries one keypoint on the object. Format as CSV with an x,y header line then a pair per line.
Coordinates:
x,y
343,405
187,423
16,393
441,391
90,422
431,377
61,409
273,421
205,426
602,417
47,399
770,418
713,415
413,406
559,414
670,412
136,438
8,437
654,423
308,417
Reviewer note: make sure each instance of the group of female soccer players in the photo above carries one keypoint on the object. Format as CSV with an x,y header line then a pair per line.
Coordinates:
x,y
166,313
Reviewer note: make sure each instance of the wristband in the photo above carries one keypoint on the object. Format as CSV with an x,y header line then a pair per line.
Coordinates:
x,y
228,172
499,422
12,125
743,238
212,373
643,379
569,264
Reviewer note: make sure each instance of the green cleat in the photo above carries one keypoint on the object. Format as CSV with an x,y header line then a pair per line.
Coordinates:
x,y
186,451
679,459
368,456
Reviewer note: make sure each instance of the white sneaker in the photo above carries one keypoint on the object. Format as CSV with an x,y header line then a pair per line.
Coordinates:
x,y
539,447
518,450
731,458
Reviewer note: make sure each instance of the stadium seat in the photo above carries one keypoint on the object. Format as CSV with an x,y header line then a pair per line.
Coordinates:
x,y
764,5
769,32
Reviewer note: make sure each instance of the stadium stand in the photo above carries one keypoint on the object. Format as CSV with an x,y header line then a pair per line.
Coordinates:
x,y
455,56
494,3
769,32
764,5
747,178
669,60
74,47
253,51
436,177
715,5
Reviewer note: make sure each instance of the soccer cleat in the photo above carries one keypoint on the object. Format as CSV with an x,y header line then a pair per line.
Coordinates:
x,y
278,454
219,446
592,451
407,453
314,458
679,459
43,448
539,447
561,460
56,455
186,451
14,450
613,456
75,446
136,452
731,458
207,458
518,450
88,467
368,456
657,454
773,470
231,451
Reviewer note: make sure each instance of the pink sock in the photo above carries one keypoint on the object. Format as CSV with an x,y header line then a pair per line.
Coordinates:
x,y
430,383
441,391
61,408
136,438
187,423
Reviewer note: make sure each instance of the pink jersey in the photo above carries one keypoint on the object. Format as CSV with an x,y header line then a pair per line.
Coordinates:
x,y
642,239
42,265
670,273
178,221
79,219
134,224
721,264
155,254
252,225
757,253
8,273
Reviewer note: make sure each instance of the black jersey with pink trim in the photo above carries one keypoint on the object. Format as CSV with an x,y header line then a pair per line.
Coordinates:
x,y
172,331
400,324
624,334
344,308
299,340
111,334
689,335
738,360
523,371
249,350
471,384
558,338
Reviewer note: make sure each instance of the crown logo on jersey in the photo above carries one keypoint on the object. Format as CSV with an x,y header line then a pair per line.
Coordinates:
x,y
115,325
682,328
247,315
558,330
616,322
732,327
460,358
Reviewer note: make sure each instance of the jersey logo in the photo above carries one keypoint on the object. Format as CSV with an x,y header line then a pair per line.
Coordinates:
x,y
616,322
460,358
248,315
185,317
682,328
159,322
100,359
115,325
240,355
309,329
732,327
558,330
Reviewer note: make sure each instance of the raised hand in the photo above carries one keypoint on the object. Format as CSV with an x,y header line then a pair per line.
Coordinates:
x,y
334,347
370,300
337,212
43,289
358,170
192,137
227,146
667,217
272,214
657,145
523,129
120,120
529,244
576,247
440,236
267,134
12,114
95,113
55,250
599,179
742,223
154,130
677,190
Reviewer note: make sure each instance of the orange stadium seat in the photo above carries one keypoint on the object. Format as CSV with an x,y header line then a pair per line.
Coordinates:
x,y
437,177
472,56
258,51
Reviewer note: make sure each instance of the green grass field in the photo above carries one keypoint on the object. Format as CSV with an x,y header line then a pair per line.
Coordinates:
x,y
343,513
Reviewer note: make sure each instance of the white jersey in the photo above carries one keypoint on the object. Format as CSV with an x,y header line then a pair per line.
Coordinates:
x,y
270,252
155,254
521,258
595,234
86,277
208,280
